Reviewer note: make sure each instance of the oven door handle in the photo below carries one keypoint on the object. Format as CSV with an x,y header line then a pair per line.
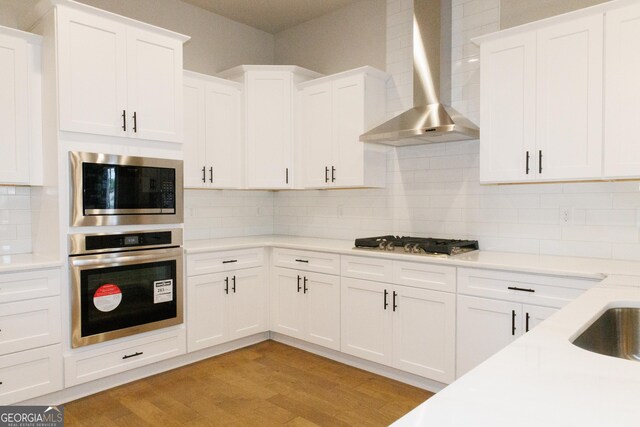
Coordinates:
x,y
125,258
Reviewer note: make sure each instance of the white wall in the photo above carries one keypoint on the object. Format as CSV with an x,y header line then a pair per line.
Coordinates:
x,y
350,37
433,190
518,12
217,43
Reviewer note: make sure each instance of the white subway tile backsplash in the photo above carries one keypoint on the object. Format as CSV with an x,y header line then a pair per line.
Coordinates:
x,y
600,233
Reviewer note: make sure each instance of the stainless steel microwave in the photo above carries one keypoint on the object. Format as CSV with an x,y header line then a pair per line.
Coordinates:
x,y
109,189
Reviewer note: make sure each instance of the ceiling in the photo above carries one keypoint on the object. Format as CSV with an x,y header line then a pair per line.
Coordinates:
x,y
271,16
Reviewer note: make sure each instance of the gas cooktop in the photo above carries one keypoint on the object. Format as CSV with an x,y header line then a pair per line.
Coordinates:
x,y
417,245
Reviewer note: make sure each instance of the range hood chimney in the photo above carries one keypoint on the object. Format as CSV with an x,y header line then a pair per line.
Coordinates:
x,y
431,119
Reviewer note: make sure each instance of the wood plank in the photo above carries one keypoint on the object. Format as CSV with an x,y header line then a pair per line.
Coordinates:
x,y
265,384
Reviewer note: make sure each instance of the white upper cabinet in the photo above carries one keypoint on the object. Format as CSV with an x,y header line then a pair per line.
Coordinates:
x,y
507,97
269,122
20,134
622,92
212,132
335,111
542,101
569,100
118,77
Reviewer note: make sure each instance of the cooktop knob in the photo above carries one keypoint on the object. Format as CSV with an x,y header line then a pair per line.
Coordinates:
x,y
416,249
390,246
407,247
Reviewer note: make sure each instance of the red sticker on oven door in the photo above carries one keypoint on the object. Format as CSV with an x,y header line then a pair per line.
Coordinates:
x,y
107,297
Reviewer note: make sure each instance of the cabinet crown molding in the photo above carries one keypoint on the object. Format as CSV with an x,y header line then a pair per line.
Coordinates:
x,y
44,6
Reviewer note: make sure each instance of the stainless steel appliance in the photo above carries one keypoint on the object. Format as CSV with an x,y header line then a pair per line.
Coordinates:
x,y
124,283
417,245
115,190
431,119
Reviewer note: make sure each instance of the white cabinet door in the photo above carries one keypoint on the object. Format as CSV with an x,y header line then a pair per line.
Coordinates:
x,y
91,73
366,310
223,136
194,138
322,312
287,305
424,332
534,315
14,106
269,129
484,327
29,324
348,125
30,373
316,136
622,92
247,303
507,108
206,310
569,99
154,80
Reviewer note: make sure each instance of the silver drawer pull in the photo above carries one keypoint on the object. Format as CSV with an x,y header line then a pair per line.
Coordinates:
x,y
514,288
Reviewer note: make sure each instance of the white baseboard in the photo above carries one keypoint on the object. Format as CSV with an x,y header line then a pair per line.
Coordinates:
x,y
356,362
86,389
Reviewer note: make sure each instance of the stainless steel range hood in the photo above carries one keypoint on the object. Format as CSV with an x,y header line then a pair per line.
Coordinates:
x,y
430,120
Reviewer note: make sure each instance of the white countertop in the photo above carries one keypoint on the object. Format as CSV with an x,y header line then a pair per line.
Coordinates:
x,y
539,380
542,379
593,268
20,262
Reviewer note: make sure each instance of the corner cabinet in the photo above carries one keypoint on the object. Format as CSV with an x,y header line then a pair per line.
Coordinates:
x,y
213,149
117,76
334,112
305,303
542,101
270,107
21,128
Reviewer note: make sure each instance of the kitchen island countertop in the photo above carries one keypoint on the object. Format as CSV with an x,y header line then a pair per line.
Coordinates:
x,y
542,379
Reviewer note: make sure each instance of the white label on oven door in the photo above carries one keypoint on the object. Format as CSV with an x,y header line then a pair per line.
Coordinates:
x,y
162,291
107,297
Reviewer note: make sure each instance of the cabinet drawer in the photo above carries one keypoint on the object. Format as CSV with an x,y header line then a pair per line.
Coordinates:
x,y
23,285
29,324
367,268
214,262
320,262
93,364
30,373
551,291
427,276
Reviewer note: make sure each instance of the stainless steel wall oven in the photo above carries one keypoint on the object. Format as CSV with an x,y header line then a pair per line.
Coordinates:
x,y
124,284
115,190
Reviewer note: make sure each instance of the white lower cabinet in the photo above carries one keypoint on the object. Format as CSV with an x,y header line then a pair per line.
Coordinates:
x,y
225,306
485,326
408,328
93,363
306,305
29,324
30,373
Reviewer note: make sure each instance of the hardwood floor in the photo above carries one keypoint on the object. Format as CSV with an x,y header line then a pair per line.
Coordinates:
x,y
266,384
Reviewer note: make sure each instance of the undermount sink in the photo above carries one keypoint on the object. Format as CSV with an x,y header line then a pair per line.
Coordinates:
x,y
615,333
